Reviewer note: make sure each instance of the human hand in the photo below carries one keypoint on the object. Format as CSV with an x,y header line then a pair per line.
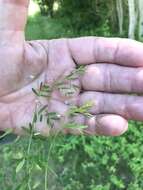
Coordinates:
x,y
113,73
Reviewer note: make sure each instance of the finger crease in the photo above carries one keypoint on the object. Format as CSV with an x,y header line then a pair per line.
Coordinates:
x,y
70,51
116,52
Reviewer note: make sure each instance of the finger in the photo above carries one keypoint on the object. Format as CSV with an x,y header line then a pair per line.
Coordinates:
x,y
99,124
106,124
102,124
112,78
113,50
17,2
13,15
127,106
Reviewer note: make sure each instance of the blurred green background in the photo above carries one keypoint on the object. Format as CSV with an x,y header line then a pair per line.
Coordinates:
x,y
77,162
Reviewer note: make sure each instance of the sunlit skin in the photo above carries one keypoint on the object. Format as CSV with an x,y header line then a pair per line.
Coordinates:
x,y
112,80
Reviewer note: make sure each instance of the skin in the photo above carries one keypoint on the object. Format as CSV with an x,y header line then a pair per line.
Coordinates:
x,y
113,79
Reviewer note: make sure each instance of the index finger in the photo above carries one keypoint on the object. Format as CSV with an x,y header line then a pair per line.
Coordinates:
x,y
88,50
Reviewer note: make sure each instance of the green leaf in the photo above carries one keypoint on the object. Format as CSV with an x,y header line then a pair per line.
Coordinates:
x,y
35,92
41,84
20,166
30,127
76,73
41,118
42,109
63,87
53,116
75,86
45,95
7,132
35,118
36,185
18,156
72,76
48,121
75,126
46,88
88,115
87,105
74,110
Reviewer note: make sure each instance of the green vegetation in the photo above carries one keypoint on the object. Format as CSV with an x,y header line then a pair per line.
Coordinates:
x,y
74,162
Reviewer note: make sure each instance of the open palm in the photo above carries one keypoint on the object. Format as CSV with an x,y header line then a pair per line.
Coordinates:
x,y
113,73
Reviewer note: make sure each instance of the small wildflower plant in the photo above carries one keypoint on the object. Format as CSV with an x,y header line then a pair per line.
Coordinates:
x,y
66,87
26,161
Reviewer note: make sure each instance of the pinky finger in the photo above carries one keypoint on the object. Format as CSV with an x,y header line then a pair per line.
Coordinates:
x,y
106,125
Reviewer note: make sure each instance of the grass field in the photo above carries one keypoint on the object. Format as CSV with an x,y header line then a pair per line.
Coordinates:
x,y
72,162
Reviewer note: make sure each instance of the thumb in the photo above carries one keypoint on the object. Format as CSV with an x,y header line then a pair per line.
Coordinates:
x,y
13,16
